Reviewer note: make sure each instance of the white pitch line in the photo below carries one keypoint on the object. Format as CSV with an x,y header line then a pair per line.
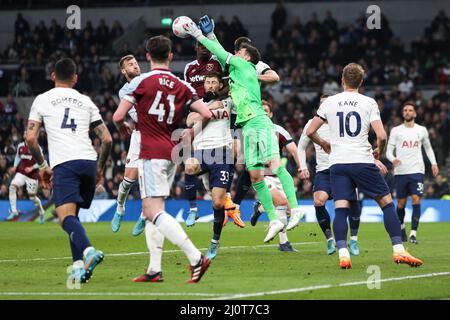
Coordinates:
x,y
165,251
326,286
134,294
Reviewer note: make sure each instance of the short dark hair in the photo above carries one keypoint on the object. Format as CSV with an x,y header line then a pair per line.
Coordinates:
x,y
254,54
239,41
159,48
124,59
65,69
324,96
410,103
215,74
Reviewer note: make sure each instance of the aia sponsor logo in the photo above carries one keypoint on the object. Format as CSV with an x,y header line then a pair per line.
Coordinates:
x,y
410,144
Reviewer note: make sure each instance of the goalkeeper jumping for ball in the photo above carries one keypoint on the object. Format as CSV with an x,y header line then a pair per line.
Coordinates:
x,y
260,140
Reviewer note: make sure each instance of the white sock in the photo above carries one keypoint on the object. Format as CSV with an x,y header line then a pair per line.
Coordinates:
x,y
78,264
398,248
38,204
281,214
260,208
155,243
412,233
343,253
173,231
355,238
87,250
402,226
13,198
124,189
142,216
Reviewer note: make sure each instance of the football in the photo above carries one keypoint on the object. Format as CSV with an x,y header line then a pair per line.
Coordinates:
x,y
177,26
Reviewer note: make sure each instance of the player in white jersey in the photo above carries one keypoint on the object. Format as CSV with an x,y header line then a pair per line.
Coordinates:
x,y
322,188
130,69
74,171
213,156
350,115
406,140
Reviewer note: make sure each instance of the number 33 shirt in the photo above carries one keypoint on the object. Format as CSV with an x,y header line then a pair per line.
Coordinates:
x,y
67,116
349,115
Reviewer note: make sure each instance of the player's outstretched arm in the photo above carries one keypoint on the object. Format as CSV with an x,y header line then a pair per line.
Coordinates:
x,y
213,46
378,128
311,132
270,76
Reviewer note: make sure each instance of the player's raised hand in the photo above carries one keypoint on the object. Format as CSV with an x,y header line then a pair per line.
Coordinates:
x,y
435,170
382,167
206,25
46,176
192,29
304,174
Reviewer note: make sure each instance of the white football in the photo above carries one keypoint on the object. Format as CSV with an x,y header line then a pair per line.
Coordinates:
x,y
177,26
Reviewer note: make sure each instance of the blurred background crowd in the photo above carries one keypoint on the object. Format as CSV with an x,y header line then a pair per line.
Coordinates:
x,y
308,56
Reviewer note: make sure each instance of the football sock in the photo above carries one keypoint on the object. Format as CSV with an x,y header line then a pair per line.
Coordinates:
x,y
413,233
37,203
13,198
155,243
392,223
266,199
173,231
230,179
354,218
415,217
281,214
124,190
78,239
288,186
190,185
243,185
340,227
323,218
401,215
219,217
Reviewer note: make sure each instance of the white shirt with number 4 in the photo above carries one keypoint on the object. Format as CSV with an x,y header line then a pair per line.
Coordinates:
x,y
67,116
407,144
349,115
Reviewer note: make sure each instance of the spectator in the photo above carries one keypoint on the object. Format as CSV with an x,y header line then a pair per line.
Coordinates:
x,y
279,17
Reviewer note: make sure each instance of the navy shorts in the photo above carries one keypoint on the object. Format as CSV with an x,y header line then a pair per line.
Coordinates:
x,y
218,163
408,184
322,182
364,176
74,182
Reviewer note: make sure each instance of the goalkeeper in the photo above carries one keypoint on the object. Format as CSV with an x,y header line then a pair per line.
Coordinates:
x,y
260,141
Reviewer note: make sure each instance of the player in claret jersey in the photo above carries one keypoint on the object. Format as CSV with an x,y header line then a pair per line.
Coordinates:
x,y
160,99
27,173
350,115
406,140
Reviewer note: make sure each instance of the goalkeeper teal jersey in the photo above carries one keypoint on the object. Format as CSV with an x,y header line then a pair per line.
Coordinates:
x,y
244,85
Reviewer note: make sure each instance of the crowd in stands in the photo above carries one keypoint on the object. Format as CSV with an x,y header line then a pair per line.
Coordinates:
x,y
310,54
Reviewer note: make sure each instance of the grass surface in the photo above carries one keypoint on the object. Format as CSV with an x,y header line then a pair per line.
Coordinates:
x,y
34,259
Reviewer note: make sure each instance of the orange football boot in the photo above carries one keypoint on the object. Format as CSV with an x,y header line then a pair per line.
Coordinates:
x,y
345,263
407,258
232,210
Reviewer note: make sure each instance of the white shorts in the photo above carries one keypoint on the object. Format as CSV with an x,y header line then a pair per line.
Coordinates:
x,y
156,177
20,180
273,183
134,150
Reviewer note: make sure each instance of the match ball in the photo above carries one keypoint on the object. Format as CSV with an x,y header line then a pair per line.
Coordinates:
x,y
178,24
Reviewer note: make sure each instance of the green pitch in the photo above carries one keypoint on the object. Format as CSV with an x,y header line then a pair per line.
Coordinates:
x,y
34,259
